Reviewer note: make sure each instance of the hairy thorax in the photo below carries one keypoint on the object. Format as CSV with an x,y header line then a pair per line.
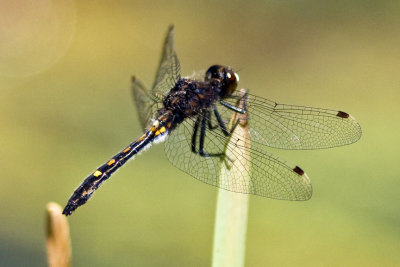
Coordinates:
x,y
189,97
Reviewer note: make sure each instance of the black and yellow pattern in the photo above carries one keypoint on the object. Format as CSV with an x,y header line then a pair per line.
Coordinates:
x,y
195,115
101,174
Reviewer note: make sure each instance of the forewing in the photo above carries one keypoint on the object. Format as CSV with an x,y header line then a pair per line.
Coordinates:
x,y
168,71
298,127
267,175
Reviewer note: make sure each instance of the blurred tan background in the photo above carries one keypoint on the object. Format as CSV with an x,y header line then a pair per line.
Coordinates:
x,y
65,104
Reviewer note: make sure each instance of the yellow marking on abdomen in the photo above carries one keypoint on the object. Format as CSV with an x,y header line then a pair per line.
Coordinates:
x,y
127,149
157,133
162,130
142,137
97,173
111,162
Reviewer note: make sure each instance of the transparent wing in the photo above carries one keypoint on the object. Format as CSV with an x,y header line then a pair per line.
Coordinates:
x,y
146,104
268,176
168,72
297,127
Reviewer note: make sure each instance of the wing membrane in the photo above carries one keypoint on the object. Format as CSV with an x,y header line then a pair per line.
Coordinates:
x,y
268,176
146,104
168,71
298,127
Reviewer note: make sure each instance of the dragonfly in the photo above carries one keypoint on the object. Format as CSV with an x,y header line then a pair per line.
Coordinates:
x,y
196,119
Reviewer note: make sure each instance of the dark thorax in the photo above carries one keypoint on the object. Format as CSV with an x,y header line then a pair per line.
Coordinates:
x,y
189,98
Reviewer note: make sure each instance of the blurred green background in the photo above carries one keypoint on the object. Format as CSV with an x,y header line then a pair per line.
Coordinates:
x,y
66,107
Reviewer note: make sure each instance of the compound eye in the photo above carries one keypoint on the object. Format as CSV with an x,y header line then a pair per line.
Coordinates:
x,y
214,72
231,81
232,77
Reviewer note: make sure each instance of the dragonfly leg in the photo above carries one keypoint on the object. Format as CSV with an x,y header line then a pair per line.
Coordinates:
x,y
194,135
203,121
210,126
234,108
222,124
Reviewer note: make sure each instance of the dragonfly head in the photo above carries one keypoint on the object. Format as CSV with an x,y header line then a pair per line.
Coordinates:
x,y
226,76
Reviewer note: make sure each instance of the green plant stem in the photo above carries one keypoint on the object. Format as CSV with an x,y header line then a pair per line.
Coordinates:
x,y
232,208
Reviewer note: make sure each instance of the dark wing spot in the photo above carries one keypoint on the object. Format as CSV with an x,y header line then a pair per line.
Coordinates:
x,y
343,115
298,170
